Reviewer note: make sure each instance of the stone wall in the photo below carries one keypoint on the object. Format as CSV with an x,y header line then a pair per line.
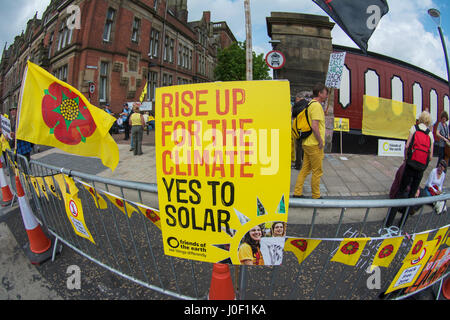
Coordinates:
x,y
305,40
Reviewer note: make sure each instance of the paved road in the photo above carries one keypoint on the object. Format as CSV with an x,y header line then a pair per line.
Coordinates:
x,y
349,176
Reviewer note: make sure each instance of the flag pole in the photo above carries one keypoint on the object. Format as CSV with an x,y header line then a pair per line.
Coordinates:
x,y
19,106
248,29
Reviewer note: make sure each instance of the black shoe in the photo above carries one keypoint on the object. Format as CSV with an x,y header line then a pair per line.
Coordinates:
x,y
296,196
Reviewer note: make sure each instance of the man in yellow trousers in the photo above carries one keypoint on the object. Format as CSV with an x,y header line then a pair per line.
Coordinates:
x,y
313,146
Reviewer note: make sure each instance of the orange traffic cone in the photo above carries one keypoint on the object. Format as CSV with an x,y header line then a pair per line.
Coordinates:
x,y
39,243
6,191
446,288
221,287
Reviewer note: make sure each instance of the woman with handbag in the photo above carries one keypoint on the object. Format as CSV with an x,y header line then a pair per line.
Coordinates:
x,y
435,181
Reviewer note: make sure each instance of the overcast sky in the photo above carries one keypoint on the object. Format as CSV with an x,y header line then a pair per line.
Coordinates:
x,y
406,32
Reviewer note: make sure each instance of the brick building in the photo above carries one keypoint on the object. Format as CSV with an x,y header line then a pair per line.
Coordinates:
x,y
118,46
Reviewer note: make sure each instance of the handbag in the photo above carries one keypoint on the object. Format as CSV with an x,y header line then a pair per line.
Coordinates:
x,y
432,191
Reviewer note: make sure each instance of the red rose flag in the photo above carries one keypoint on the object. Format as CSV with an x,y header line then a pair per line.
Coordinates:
x,y
350,250
53,113
301,248
386,252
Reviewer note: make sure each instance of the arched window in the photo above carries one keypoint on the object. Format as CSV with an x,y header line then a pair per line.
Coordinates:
x,y
433,106
446,103
417,98
345,89
397,89
372,83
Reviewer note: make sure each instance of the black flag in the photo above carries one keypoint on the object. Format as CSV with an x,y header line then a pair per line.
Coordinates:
x,y
358,18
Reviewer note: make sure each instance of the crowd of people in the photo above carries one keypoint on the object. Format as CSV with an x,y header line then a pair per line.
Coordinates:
x,y
308,154
133,122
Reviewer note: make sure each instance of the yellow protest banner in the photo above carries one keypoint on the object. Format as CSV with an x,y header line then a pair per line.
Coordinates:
x,y
411,269
73,206
223,169
387,118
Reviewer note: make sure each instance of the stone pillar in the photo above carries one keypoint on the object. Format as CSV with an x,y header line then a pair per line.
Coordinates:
x,y
305,41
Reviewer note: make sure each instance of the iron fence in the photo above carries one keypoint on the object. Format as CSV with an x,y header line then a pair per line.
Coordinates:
x,y
128,239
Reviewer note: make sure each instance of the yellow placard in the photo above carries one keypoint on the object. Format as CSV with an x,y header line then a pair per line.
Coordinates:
x,y
223,169
73,206
411,269
387,118
341,124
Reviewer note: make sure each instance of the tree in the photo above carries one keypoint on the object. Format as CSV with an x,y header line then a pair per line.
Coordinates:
x,y
231,64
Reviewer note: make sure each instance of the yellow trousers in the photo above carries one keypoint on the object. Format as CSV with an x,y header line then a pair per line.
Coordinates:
x,y
312,162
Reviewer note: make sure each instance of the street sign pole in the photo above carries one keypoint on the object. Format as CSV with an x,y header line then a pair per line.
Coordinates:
x,y
249,53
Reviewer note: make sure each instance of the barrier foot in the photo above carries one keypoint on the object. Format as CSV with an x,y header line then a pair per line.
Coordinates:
x,y
40,258
7,203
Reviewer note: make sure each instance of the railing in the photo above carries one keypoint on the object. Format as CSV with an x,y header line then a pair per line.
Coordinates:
x,y
121,218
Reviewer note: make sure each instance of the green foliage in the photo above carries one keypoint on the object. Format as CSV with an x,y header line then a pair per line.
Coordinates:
x,y
231,64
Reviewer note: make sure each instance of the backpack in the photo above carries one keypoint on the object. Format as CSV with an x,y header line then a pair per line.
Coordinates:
x,y
301,128
419,149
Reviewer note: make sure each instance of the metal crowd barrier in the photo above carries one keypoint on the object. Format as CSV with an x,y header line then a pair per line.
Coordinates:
x,y
130,244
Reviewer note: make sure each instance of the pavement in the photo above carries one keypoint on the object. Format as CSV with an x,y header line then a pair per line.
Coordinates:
x,y
348,176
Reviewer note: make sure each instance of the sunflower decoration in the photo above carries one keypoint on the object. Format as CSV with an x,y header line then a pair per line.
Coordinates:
x,y
66,114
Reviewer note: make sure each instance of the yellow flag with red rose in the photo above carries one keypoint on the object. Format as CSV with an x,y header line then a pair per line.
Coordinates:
x,y
53,113
386,252
350,250
301,248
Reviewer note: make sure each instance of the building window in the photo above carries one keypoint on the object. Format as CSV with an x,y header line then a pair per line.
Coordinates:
x,y
133,63
135,32
103,90
433,106
446,104
65,35
166,48
345,90
153,83
155,4
154,43
190,60
61,73
108,25
171,50
372,84
50,44
397,89
417,98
